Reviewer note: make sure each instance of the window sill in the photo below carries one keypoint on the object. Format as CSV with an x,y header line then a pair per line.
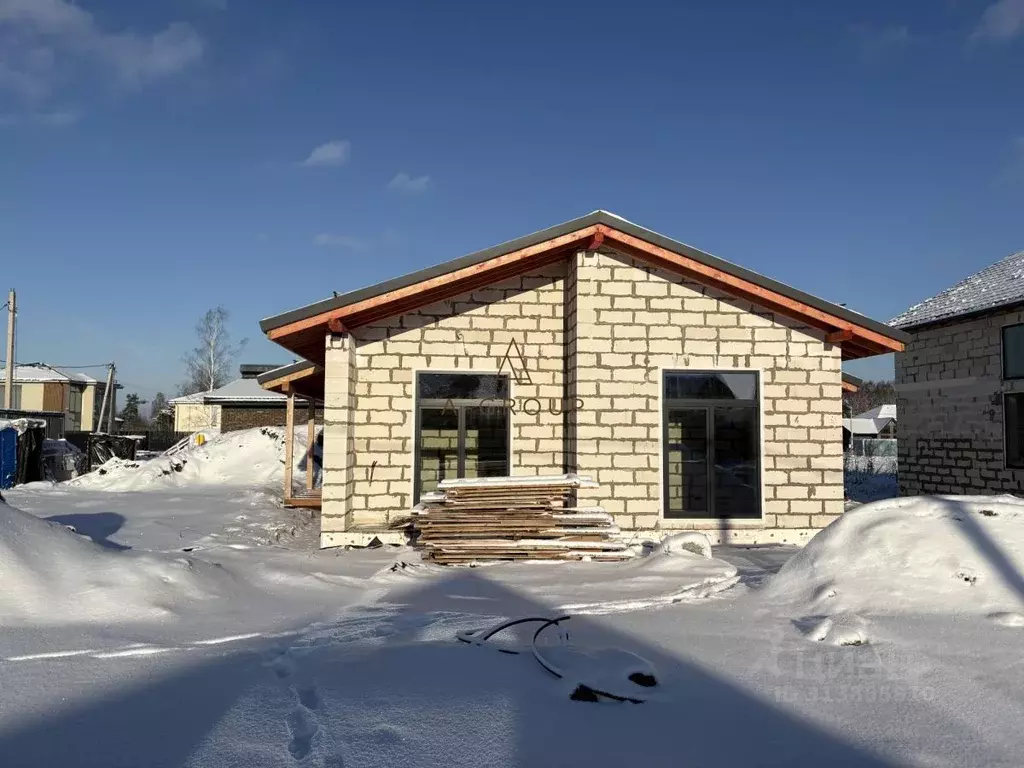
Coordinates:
x,y
709,523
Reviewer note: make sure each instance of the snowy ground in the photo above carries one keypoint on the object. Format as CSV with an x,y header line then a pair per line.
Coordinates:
x,y
892,639
869,478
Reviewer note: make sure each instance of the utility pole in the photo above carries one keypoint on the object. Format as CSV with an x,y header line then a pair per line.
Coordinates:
x,y
98,426
12,307
113,399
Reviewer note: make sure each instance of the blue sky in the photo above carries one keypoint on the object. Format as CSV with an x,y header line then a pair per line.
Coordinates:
x,y
161,158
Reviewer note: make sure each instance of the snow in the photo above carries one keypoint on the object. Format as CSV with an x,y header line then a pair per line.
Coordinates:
x,y
941,554
34,372
48,575
251,457
892,638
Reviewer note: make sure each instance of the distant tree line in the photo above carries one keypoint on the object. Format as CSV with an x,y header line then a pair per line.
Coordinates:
x,y
870,395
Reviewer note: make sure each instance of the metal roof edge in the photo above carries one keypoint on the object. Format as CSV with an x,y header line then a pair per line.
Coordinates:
x,y
596,217
286,370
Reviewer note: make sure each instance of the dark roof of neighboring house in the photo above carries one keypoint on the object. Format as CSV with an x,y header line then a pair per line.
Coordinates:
x,y
252,370
597,217
998,285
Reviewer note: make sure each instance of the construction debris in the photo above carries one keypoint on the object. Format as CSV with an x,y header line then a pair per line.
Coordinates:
x,y
514,518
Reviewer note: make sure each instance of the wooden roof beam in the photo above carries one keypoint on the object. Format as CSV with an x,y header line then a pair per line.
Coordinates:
x,y
746,289
389,298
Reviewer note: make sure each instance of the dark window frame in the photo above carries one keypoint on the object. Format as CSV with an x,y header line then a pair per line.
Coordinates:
x,y
1003,350
1007,432
459,405
708,405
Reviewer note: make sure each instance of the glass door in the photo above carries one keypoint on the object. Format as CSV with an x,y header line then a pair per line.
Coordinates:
x,y
438,447
686,442
711,444
462,428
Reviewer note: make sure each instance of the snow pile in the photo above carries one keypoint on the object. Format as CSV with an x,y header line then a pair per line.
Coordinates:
x,y
49,575
250,457
929,554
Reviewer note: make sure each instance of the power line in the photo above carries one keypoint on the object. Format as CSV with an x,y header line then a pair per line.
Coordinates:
x,y
69,367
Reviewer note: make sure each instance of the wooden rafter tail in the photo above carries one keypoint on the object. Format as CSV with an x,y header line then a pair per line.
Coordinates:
x,y
838,337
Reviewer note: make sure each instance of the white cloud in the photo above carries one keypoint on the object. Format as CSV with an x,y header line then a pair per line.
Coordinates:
x,y
41,39
328,240
403,182
332,153
1001,21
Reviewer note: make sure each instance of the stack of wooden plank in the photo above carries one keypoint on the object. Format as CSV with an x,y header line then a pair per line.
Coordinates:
x,y
514,518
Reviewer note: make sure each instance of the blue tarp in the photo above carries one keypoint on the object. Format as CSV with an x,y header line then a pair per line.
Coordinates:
x,y
8,457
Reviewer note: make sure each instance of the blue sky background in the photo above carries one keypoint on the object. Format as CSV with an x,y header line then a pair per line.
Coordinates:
x,y
160,158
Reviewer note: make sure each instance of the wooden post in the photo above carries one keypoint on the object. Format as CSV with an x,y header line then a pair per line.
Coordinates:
x,y
289,442
310,442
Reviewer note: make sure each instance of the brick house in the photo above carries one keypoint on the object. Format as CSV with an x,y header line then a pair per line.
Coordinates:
x,y
699,394
960,386
239,404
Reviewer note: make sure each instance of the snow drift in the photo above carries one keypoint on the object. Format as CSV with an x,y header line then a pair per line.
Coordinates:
x,y
50,575
931,554
673,574
250,457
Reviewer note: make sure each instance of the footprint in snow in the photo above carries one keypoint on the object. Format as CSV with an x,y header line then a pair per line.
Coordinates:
x,y
302,727
282,665
840,629
309,697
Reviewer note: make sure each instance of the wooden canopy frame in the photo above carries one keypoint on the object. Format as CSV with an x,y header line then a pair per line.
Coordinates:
x,y
305,335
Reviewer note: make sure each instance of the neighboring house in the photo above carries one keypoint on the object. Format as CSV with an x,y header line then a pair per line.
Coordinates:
x,y
876,422
699,394
39,387
239,404
960,386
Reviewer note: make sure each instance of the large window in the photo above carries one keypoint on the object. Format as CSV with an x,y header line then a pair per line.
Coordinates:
x,y
1013,351
462,427
711,444
15,396
1013,429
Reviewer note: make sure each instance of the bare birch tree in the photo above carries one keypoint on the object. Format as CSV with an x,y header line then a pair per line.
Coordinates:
x,y
209,364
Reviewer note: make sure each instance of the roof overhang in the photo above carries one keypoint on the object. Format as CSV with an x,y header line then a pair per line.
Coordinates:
x,y
303,330
301,378
851,383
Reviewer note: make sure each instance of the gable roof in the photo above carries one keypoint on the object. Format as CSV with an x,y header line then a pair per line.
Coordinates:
x,y
243,390
41,372
301,330
998,285
887,411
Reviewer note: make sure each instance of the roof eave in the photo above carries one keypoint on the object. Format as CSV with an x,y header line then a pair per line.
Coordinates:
x,y
611,221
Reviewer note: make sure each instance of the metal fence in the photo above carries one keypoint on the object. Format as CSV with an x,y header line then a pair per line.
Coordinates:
x,y
872,447
872,456
54,420
156,440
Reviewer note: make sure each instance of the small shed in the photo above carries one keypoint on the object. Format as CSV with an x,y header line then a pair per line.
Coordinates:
x,y
21,451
